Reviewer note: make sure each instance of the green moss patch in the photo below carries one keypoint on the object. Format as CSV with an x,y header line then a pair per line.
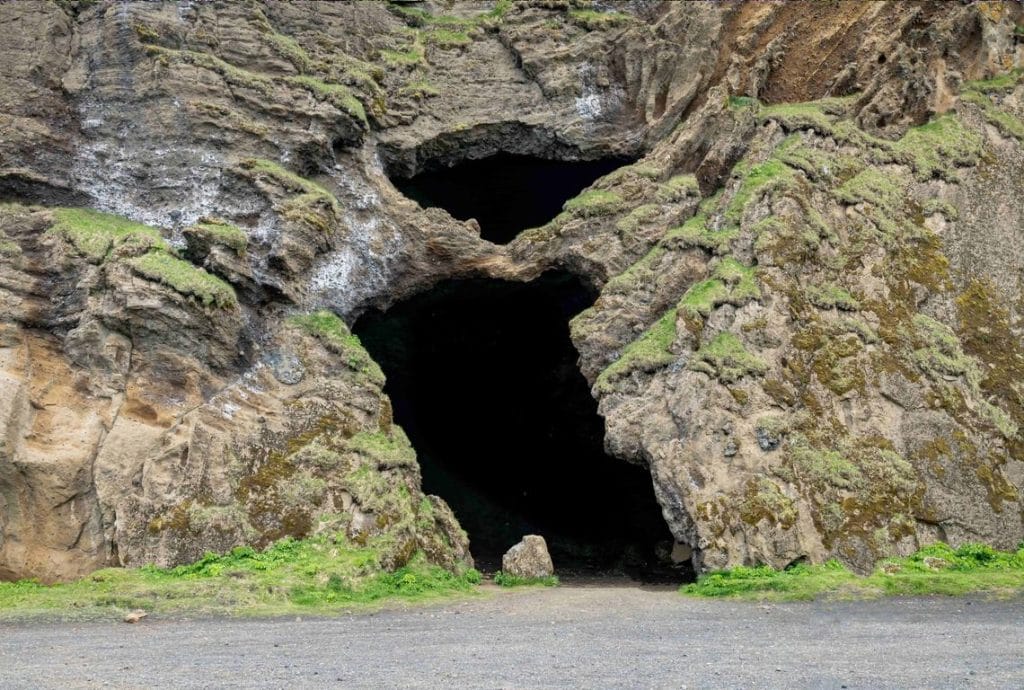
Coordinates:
x,y
215,231
648,352
335,335
95,234
185,278
594,20
936,569
338,95
726,359
594,202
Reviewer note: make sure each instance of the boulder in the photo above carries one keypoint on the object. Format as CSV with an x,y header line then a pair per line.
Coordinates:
x,y
528,558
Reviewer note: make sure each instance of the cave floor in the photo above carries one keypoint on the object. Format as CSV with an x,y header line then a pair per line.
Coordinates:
x,y
591,633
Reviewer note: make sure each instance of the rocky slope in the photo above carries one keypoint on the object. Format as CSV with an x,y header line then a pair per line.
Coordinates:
x,y
808,326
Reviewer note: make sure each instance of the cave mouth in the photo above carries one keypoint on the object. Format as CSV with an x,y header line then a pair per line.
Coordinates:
x,y
483,377
506,193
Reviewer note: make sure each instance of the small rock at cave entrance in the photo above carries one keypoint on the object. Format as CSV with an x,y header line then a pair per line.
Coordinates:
x,y
528,558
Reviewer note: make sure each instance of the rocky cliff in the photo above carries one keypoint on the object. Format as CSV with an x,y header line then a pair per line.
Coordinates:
x,y
809,320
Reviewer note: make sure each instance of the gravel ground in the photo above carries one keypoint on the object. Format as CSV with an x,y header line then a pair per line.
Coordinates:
x,y
602,635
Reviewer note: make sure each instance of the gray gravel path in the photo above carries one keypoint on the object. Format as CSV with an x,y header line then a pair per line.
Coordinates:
x,y
601,636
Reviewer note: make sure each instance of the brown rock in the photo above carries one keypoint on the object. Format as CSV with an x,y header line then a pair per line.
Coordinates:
x,y
529,558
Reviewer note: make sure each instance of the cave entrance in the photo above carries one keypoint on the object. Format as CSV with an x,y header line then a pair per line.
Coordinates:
x,y
505,193
483,377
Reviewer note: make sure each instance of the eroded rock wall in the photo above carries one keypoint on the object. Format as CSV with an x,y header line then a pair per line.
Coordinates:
x,y
808,321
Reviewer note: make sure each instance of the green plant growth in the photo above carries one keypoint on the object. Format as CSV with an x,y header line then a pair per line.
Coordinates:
x,y
594,20
95,234
338,95
999,83
419,89
594,202
184,277
936,148
831,296
725,358
335,335
220,232
696,233
1005,122
936,569
648,352
506,580
303,207
324,574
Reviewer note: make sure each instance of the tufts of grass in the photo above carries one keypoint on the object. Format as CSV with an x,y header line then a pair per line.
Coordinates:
x,y
321,574
419,89
999,83
725,357
696,233
935,569
594,202
185,278
95,234
335,335
934,149
594,20
338,95
648,352
447,38
220,232
506,580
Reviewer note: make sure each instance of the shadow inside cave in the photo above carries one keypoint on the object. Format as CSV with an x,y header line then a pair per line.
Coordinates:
x,y
483,377
505,193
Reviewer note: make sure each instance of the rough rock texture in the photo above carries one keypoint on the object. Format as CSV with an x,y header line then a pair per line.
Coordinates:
x,y
808,327
528,559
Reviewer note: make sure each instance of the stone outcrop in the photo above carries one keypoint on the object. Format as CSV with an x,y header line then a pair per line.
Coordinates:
x,y
808,327
529,559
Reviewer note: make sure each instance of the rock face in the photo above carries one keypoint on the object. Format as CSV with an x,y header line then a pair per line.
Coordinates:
x,y
528,559
809,321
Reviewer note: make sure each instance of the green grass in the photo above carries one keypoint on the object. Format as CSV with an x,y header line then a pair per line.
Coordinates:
x,y
935,569
594,20
725,357
185,278
648,352
319,575
448,38
506,580
594,202
219,232
335,335
95,234
339,96
1002,82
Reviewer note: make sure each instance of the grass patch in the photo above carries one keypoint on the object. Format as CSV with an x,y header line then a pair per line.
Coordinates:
x,y
335,335
339,96
95,234
185,278
593,20
506,580
935,569
321,574
594,202
648,352
726,358
215,231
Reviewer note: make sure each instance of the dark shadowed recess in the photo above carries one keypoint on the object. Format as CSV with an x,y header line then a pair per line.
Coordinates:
x,y
484,379
506,193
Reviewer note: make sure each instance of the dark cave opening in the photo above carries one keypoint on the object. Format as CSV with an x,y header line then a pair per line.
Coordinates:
x,y
483,377
505,193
